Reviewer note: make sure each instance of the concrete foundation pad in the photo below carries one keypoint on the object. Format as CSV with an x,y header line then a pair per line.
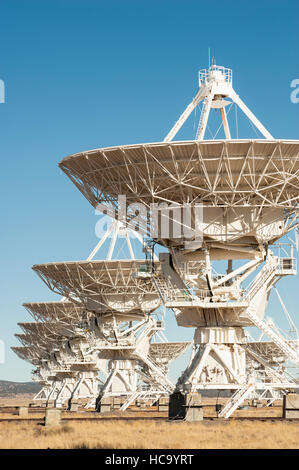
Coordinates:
x,y
163,404
163,408
52,417
105,404
291,414
290,406
116,403
186,406
194,414
291,401
105,408
74,407
22,411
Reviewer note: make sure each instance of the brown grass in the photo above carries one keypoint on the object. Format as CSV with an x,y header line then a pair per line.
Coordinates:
x,y
17,400
149,434
108,431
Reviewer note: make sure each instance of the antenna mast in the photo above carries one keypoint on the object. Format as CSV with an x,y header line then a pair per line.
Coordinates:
x,y
215,88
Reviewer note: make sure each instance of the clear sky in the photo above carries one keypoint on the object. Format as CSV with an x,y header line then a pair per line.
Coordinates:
x,y
81,74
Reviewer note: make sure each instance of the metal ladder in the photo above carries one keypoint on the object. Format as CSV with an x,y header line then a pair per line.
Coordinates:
x,y
200,119
236,400
168,291
163,379
263,276
161,287
291,353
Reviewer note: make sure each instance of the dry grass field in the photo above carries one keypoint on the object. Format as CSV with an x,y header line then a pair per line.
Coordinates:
x,y
19,400
149,434
118,430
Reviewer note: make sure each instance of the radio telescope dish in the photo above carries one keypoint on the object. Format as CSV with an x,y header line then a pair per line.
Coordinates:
x,y
166,352
49,330
114,285
68,312
28,354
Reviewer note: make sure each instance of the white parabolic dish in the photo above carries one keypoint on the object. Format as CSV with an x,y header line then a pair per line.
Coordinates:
x,y
248,188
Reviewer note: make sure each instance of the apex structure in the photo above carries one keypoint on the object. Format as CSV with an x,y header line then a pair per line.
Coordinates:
x,y
215,85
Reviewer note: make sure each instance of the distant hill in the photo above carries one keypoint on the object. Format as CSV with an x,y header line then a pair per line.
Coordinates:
x,y
17,388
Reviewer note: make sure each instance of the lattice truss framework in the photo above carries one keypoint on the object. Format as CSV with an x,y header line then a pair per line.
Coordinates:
x,y
269,351
105,282
47,331
163,353
30,354
44,345
224,173
61,312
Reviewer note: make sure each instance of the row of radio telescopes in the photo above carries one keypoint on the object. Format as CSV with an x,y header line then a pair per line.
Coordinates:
x,y
105,336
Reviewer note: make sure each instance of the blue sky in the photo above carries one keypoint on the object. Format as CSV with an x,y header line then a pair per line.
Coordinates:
x,y
85,74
